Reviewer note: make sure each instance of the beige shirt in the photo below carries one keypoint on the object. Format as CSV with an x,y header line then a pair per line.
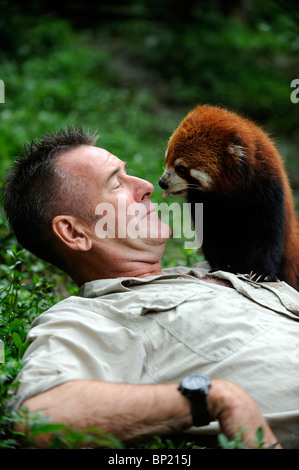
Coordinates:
x,y
159,329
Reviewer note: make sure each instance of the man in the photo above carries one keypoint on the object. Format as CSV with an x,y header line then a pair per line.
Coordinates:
x,y
114,356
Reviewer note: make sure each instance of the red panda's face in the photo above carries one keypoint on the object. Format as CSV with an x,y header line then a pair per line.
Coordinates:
x,y
201,157
182,173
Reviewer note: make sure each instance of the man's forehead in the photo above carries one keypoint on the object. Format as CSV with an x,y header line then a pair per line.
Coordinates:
x,y
86,159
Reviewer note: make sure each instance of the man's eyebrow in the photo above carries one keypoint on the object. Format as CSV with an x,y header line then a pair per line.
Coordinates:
x,y
117,170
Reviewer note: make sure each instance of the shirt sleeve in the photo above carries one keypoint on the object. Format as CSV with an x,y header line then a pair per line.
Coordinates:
x,y
73,344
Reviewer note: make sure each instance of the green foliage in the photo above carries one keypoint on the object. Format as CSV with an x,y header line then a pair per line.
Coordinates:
x,y
237,442
245,60
30,426
76,82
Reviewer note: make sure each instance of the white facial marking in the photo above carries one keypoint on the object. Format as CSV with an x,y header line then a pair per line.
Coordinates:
x,y
202,177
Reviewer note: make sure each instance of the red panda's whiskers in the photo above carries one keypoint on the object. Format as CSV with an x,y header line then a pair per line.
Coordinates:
x,y
193,186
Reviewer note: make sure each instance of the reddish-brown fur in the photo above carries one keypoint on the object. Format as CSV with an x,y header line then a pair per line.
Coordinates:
x,y
220,142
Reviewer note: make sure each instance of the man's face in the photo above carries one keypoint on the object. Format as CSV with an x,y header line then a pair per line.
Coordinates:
x,y
120,203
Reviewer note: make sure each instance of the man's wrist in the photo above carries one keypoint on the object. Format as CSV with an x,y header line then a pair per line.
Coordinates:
x,y
196,387
217,398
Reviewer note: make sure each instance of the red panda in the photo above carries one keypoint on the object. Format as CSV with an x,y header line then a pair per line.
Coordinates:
x,y
230,165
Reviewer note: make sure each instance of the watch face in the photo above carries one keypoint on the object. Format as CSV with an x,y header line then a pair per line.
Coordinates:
x,y
193,382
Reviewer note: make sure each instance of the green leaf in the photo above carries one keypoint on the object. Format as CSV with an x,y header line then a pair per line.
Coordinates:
x,y
223,441
260,435
47,428
17,340
23,348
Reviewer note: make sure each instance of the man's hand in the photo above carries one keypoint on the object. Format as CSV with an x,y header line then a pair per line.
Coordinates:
x,y
235,410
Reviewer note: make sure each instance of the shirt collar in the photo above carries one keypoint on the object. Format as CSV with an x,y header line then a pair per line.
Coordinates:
x,y
108,286
121,284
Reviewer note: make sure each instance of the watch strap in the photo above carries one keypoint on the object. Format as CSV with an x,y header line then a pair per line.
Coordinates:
x,y
198,400
200,412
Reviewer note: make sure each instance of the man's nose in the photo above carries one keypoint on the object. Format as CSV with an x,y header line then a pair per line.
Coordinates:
x,y
163,183
143,189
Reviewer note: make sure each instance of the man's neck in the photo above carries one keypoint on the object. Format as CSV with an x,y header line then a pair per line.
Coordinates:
x,y
131,269
143,269
97,264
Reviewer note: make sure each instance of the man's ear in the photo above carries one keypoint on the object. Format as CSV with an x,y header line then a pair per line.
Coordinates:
x,y
69,230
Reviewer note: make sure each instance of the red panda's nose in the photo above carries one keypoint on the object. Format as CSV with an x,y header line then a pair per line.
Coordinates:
x,y
163,183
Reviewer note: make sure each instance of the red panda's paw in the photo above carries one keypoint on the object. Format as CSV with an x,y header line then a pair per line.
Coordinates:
x,y
256,277
252,276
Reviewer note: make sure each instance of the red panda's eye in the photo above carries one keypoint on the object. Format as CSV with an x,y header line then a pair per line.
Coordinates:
x,y
181,169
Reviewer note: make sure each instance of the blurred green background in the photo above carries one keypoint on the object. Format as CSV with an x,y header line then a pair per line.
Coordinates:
x,y
131,69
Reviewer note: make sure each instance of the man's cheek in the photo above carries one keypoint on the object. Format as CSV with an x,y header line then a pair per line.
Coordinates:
x,y
137,221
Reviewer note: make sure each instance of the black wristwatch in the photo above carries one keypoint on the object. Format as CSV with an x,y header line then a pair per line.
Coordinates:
x,y
196,388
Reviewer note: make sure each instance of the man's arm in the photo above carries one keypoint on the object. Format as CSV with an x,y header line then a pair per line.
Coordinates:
x,y
133,411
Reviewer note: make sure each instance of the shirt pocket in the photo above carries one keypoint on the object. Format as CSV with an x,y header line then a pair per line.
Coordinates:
x,y
164,302
133,304
211,325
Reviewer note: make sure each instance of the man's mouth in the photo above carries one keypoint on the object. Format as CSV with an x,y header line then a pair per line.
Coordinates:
x,y
150,209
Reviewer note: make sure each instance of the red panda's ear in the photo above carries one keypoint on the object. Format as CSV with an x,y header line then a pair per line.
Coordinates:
x,y
237,151
237,148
